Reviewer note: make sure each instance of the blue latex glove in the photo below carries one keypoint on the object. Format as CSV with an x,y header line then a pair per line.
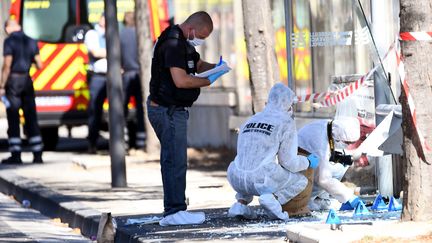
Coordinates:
x,y
215,76
313,161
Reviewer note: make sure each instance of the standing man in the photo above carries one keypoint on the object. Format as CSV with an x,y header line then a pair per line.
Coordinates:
x,y
19,52
172,90
96,45
131,78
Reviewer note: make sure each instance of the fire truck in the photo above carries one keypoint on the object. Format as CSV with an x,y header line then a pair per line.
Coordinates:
x,y
59,26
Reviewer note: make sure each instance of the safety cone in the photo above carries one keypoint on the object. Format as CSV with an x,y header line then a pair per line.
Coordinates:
x,y
361,209
332,218
379,204
394,205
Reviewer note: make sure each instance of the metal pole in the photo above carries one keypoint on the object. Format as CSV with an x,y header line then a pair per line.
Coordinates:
x,y
288,31
384,167
115,97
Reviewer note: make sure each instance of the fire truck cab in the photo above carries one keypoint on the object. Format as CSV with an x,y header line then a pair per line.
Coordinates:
x,y
61,88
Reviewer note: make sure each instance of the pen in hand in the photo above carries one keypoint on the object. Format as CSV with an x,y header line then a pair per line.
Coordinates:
x,y
220,61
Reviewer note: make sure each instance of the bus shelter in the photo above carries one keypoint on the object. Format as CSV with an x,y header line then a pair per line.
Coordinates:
x,y
341,62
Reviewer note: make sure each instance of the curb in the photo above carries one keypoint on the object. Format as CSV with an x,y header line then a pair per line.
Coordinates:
x,y
55,205
299,234
51,203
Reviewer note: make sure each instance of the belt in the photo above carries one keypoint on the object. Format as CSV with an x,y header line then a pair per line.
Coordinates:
x,y
171,108
100,74
177,107
18,75
96,73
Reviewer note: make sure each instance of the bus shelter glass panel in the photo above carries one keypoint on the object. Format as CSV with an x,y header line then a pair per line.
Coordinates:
x,y
332,48
45,20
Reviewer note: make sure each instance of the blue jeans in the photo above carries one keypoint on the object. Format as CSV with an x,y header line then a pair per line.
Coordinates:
x,y
170,126
132,87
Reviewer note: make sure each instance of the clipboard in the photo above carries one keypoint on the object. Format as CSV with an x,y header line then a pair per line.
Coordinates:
x,y
222,67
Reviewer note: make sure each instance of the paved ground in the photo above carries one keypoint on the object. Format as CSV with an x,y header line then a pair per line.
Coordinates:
x,y
76,188
63,189
19,224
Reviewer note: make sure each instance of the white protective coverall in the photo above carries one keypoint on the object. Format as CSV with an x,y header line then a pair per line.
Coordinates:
x,y
313,138
267,160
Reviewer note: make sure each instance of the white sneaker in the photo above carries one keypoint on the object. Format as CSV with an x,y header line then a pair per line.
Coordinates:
x,y
183,217
238,209
272,207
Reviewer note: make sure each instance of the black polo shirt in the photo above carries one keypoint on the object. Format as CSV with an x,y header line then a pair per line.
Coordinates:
x,y
23,49
172,50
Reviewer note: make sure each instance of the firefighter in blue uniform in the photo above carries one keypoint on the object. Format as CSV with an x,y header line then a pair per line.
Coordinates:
x,y
19,52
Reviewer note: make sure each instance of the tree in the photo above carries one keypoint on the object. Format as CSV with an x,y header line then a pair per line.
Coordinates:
x,y
259,34
4,8
415,16
145,50
115,97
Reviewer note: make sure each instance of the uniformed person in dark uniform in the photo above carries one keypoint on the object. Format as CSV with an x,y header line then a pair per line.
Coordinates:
x,y
131,76
95,42
19,52
172,90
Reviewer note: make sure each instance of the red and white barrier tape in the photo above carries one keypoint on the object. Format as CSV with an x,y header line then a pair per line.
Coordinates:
x,y
314,96
411,105
343,93
332,98
415,36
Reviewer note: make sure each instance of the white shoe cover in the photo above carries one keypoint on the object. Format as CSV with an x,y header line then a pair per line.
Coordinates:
x,y
272,207
183,217
238,209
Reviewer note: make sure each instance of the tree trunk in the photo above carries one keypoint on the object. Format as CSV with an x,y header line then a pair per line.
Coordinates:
x,y
259,33
415,16
4,14
145,53
116,119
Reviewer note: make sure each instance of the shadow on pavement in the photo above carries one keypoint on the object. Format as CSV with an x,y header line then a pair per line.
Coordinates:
x,y
210,159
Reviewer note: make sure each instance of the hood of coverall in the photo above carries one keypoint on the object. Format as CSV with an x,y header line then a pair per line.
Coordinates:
x,y
280,98
346,129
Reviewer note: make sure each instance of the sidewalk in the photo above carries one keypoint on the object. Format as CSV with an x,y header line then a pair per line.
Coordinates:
x,y
20,224
77,188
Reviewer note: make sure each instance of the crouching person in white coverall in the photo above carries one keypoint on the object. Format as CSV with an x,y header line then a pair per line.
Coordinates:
x,y
322,138
267,164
